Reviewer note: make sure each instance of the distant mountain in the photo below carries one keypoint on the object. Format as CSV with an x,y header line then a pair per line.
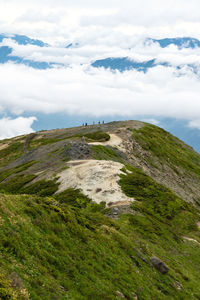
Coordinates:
x,y
23,40
6,51
6,56
124,63
184,42
72,45
113,63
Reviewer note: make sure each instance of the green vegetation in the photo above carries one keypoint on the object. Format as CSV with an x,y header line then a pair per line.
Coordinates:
x,y
156,203
41,188
8,172
97,136
6,289
14,184
105,153
10,153
35,143
167,148
17,185
73,197
64,246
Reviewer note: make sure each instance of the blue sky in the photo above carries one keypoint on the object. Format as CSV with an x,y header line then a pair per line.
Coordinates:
x,y
70,91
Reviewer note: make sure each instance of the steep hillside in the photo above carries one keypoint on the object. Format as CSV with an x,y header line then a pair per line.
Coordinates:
x,y
45,154
99,212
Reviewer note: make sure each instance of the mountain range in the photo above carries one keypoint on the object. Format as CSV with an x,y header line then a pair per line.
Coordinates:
x,y
36,54
114,63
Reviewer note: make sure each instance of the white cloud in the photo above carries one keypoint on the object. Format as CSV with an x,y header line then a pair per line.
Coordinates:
x,y
14,127
92,49
194,124
152,121
86,90
103,29
59,20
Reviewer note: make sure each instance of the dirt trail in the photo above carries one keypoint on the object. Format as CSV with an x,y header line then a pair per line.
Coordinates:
x,y
190,239
96,178
114,141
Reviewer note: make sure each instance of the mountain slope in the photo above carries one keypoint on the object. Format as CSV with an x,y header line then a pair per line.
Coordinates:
x,y
24,51
159,154
58,244
182,42
23,40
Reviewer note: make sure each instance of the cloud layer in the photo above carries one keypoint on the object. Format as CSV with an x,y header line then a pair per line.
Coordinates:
x,y
62,20
100,29
14,127
86,90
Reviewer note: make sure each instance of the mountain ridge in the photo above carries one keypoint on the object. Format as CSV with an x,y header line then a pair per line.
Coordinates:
x,y
133,150
81,240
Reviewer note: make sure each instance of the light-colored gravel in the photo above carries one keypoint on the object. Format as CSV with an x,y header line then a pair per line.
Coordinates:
x,y
114,141
3,146
96,178
190,239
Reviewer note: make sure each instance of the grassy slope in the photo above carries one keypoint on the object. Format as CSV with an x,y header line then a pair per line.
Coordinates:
x,y
165,146
64,247
167,156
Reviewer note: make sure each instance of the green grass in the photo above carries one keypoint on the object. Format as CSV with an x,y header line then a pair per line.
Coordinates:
x,y
11,153
73,197
35,143
157,202
40,188
64,247
168,149
97,136
8,172
14,184
17,185
105,153
6,289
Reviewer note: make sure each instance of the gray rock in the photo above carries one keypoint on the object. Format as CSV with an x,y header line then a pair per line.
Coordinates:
x,y
134,296
120,294
116,211
77,150
159,265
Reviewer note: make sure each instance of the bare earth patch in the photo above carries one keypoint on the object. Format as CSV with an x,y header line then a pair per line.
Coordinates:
x,y
3,146
98,179
190,239
114,141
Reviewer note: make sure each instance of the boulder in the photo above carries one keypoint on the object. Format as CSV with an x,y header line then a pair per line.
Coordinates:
x,y
159,265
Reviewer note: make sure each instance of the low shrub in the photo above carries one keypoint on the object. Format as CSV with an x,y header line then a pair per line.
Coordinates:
x,y
98,136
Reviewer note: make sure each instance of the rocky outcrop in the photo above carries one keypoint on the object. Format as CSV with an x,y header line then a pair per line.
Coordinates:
x,y
77,150
159,265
